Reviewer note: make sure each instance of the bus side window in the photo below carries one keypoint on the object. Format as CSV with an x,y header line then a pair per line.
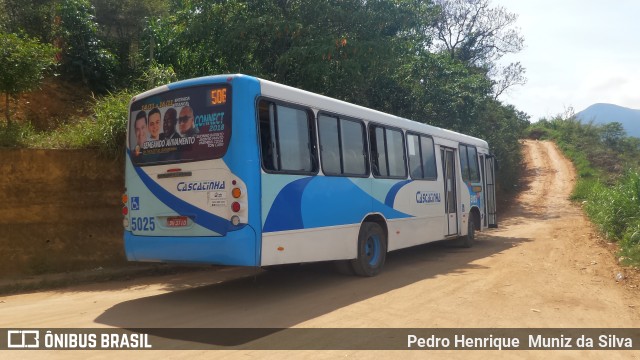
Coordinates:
x,y
387,150
474,172
342,146
329,144
266,114
415,161
464,162
286,138
395,151
378,151
422,160
428,158
353,147
469,163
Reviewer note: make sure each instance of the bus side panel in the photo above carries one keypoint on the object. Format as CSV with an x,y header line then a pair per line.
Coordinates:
x,y
311,218
424,200
318,218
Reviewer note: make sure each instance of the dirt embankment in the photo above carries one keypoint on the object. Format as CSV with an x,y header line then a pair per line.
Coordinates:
x,y
60,211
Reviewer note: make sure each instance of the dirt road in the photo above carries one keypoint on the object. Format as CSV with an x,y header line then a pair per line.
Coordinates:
x,y
542,268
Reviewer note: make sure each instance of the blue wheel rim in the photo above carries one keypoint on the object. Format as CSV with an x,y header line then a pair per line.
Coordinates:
x,y
372,249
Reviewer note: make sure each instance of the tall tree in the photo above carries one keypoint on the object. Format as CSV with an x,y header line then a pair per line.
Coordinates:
x,y
507,77
347,49
31,17
83,54
476,33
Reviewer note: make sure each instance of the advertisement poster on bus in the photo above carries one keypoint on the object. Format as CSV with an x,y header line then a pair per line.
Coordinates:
x,y
181,125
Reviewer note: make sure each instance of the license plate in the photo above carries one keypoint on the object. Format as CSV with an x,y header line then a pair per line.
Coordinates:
x,y
177,221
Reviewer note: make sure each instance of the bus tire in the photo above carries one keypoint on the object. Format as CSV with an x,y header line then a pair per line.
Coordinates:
x,y
467,241
372,250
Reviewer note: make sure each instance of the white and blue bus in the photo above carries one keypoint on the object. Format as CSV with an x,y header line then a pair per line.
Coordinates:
x,y
236,170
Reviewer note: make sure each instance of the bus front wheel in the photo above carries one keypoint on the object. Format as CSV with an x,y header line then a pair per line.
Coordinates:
x,y
372,250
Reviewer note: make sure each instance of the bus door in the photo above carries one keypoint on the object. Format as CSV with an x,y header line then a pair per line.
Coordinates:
x,y
450,204
490,190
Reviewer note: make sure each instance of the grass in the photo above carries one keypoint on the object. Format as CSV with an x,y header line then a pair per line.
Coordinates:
x,y
615,210
15,135
105,130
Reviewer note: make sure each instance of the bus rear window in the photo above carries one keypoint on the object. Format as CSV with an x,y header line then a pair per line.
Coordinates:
x,y
183,125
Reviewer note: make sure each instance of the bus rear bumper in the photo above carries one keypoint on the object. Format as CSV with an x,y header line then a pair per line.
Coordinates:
x,y
238,247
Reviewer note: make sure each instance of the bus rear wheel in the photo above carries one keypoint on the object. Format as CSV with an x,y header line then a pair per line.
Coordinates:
x,y
372,250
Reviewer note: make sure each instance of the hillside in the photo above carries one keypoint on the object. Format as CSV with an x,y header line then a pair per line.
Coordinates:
x,y
56,102
606,113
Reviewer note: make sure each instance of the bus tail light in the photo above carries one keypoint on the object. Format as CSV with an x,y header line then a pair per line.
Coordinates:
x,y
235,220
236,193
235,206
125,209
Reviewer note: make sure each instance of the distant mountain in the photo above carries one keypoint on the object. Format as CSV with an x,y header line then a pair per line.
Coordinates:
x,y
606,113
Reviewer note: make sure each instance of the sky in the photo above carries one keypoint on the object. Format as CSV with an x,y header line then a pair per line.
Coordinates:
x,y
577,53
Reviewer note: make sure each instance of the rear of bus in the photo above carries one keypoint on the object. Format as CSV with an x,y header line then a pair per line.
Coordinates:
x,y
192,173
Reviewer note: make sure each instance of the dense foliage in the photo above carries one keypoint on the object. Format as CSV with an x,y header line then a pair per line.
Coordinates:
x,y
83,55
24,62
390,55
608,165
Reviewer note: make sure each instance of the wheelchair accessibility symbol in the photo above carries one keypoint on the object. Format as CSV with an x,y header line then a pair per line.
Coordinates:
x,y
135,203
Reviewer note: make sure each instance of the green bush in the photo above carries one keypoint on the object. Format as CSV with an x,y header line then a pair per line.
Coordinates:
x,y
111,115
15,134
104,131
84,56
616,209
24,62
537,132
583,189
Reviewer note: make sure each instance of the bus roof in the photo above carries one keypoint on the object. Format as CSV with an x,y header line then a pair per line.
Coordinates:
x,y
302,97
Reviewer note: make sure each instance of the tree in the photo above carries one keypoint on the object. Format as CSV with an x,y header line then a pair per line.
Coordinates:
x,y
83,55
612,135
31,17
477,34
502,126
508,76
122,24
473,32
446,92
348,49
24,62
